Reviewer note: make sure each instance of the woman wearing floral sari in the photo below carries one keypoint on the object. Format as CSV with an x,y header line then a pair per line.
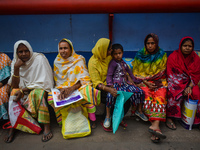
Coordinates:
x,y
150,66
183,75
31,79
5,63
70,74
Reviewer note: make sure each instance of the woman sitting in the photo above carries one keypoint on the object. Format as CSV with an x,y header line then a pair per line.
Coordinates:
x,y
70,74
150,66
5,63
183,75
31,78
98,67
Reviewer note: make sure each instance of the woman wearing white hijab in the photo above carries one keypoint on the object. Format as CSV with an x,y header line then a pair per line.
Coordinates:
x,y
31,79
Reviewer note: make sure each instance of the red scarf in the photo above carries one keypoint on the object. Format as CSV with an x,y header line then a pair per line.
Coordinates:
x,y
177,64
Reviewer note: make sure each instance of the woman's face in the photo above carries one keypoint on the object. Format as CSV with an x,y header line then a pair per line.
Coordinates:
x,y
109,50
23,53
187,48
150,45
65,50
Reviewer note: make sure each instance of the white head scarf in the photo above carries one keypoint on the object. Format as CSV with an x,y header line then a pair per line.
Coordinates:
x,y
36,73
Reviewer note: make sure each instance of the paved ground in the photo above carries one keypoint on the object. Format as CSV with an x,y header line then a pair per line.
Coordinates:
x,y
135,137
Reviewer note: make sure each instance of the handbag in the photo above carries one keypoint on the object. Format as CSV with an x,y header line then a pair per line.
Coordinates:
x,y
118,112
188,113
20,119
75,121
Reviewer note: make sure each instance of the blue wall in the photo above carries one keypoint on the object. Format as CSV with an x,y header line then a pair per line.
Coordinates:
x,y
44,31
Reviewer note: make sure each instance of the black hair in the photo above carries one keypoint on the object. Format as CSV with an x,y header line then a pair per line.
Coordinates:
x,y
116,46
187,39
66,42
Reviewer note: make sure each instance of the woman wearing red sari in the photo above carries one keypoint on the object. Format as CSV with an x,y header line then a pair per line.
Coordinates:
x,y
183,75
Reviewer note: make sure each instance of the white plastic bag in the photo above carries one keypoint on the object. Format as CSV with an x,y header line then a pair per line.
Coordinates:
x,y
188,113
14,110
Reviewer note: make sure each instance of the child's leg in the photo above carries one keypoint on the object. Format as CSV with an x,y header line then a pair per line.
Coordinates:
x,y
107,120
107,112
139,97
140,108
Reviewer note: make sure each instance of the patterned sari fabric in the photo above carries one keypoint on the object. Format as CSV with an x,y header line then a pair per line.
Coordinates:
x,y
152,67
68,72
36,105
5,69
180,72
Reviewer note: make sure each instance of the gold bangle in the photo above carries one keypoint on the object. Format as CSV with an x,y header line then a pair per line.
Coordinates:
x,y
103,88
15,76
21,91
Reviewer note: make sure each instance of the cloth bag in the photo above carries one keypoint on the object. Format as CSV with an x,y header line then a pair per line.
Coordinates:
x,y
118,112
20,119
188,113
75,121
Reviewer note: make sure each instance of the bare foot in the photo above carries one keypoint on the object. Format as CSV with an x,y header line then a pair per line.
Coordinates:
x,y
10,137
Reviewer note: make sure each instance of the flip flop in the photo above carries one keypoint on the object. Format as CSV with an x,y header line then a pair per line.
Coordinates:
x,y
45,137
155,140
93,125
123,124
156,133
106,129
167,123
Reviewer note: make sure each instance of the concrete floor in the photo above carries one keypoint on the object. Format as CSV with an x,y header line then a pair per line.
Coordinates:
x,y
135,137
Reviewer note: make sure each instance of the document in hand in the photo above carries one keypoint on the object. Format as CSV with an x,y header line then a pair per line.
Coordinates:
x,y
74,97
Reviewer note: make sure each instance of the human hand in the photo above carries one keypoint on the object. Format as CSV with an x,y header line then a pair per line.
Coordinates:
x,y
18,95
139,84
113,92
19,63
187,91
152,86
132,83
64,93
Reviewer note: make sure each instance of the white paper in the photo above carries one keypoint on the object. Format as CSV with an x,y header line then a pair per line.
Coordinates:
x,y
74,97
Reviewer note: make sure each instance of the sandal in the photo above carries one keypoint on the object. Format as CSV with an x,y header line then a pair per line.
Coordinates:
x,y
172,124
93,125
47,136
106,129
155,139
157,132
123,124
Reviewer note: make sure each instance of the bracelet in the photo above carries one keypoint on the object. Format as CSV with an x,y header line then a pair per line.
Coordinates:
x,y
190,87
103,87
144,81
15,76
21,91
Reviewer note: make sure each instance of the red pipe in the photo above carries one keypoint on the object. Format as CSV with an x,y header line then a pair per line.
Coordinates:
x,y
111,17
96,6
